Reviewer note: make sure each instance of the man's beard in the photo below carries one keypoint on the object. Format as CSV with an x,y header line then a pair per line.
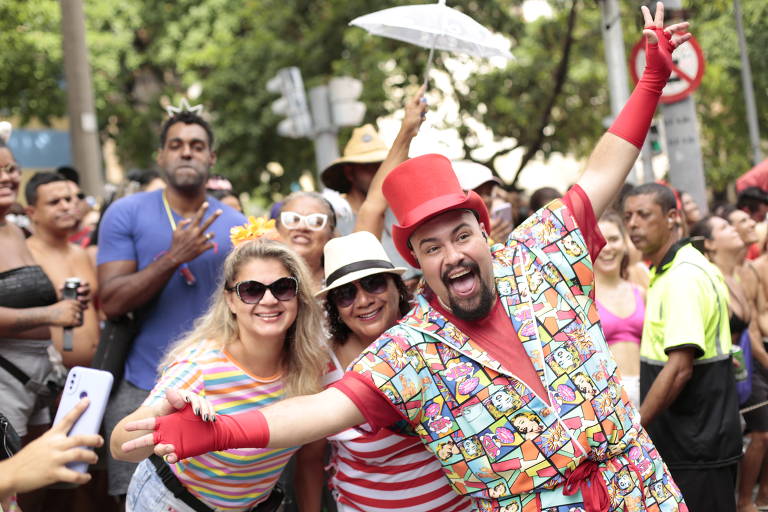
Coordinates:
x,y
485,295
187,182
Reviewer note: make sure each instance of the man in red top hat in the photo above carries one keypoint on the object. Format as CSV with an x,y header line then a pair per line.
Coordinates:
x,y
501,368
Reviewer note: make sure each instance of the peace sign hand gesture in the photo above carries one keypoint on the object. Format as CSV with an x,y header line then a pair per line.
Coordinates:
x,y
660,43
191,238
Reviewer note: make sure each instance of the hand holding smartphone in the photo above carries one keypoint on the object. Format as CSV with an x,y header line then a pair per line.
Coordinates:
x,y
85,382
502,211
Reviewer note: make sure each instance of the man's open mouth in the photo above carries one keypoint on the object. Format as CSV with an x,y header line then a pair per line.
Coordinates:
x,y
461,281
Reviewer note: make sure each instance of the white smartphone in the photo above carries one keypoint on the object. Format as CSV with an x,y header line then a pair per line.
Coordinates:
x,y
502,211
85,382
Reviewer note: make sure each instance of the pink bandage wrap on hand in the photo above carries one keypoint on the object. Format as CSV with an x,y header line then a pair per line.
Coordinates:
x,y
635,118
191,436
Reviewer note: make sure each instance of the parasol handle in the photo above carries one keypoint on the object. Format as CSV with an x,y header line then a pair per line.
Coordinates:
x,y
429,64
431,53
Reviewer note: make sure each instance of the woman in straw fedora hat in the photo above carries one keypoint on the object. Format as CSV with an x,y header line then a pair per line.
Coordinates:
x,y
387,470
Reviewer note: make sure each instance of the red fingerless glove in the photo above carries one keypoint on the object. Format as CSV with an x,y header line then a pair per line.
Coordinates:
x,y
635,118
191,436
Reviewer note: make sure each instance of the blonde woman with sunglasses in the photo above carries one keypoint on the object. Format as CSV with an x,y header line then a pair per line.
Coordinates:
x,y
306,223
257,344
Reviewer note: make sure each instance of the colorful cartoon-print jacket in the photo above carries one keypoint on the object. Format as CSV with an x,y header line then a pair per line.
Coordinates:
x,y
498,441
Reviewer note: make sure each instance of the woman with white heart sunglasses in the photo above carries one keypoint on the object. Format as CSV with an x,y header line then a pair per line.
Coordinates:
x,y
306,223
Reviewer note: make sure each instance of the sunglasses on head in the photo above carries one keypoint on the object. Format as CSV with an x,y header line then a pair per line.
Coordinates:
x,y
251,292
344,296
313,221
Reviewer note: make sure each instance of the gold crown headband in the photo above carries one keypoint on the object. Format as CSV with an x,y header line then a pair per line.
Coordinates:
x,y
184,107
254,229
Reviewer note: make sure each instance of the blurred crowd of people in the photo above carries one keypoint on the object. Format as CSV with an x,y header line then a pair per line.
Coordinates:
x,y
62,233
681,298
149,248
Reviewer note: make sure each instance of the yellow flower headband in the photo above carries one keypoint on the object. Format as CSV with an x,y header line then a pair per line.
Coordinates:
x,y
254,229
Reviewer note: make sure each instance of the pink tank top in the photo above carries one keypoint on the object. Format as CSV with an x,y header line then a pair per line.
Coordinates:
x,y
628,328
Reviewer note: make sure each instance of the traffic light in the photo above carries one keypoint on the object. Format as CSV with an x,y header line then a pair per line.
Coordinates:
x,y
343,93
292,104
654,140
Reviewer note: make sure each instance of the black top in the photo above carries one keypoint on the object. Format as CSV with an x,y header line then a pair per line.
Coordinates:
x,y
737,325
26,287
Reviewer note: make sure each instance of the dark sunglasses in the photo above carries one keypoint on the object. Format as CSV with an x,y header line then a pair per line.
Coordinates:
x,y
251,292
344,296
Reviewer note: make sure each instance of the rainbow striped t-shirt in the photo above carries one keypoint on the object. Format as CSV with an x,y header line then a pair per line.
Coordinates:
x,y
230,479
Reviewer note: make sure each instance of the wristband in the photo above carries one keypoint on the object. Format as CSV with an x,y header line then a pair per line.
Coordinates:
x,y
191,436
633,121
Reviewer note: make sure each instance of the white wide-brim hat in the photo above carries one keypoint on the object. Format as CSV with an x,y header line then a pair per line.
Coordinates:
x,y
352,257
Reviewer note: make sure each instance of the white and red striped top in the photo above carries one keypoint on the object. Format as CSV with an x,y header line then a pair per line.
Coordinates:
x,y
386,471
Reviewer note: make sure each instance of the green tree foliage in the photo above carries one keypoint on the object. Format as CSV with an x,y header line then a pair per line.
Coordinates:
x,y
720,99
30,60
552,98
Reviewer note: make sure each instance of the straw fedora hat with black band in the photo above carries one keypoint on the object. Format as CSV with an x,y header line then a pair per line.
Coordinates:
x,y
421,188
352,257
364,147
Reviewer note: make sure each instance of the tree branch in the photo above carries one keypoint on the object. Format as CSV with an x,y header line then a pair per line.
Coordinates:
x,y
560,76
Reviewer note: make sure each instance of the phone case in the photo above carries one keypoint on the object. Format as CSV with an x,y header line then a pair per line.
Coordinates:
x,y
502,211
82,382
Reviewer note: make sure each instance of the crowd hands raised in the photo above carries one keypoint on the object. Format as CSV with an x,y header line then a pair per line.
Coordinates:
x,y
382,322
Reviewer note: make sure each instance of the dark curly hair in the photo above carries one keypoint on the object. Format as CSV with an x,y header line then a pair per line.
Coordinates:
x,y
186,117
339,330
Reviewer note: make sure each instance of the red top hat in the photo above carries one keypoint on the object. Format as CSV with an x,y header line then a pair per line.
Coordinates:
x,y
420,188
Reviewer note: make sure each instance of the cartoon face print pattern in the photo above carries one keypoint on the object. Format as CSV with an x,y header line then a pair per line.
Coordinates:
x,y
498,441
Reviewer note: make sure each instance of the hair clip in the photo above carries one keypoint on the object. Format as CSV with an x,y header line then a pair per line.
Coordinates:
x,y
5,131
184,107
254,229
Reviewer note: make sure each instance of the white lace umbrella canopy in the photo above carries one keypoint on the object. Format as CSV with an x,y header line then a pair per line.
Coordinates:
x,y
434,26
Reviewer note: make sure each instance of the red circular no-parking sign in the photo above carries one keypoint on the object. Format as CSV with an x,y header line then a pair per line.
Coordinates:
x,y
687,69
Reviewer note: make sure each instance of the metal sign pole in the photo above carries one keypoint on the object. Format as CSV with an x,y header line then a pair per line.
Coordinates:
x,y
83,128
325,136
749,92
686,166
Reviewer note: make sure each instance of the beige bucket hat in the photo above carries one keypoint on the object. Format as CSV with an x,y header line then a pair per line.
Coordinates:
x,y
352,257
364,147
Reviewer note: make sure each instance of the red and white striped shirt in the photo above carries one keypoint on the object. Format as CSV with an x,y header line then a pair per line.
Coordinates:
x,y
386,471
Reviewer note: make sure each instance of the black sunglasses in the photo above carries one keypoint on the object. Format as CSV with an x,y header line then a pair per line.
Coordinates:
x,y
251,292
344,296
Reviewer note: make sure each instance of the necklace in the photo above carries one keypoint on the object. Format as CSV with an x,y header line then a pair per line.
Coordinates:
x,y
184,269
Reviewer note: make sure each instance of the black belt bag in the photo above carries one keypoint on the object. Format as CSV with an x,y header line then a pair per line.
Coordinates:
x,y
271,504
49,390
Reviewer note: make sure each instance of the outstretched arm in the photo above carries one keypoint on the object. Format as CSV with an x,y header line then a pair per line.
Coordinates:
x,y
370,217
295,421
618,149
175,399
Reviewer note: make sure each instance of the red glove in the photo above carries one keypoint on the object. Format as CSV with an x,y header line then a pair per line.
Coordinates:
x,y
191,436
635,118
